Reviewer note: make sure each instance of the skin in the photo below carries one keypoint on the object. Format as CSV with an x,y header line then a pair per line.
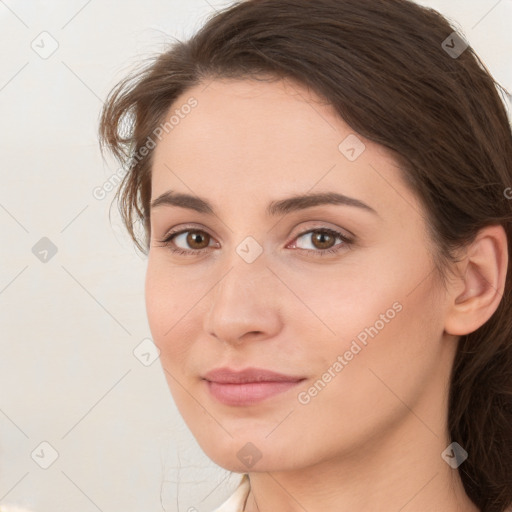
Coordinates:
x,y
372,438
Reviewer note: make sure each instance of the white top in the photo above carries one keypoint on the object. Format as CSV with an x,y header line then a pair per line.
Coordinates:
x,y
236,502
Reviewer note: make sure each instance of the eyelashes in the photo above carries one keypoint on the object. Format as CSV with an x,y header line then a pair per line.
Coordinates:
x,y
321,234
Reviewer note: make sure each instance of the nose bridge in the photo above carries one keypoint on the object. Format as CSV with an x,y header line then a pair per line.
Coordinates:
x,y
246,269
242,301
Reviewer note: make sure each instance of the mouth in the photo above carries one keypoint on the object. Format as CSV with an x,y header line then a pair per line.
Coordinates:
x,y
249,386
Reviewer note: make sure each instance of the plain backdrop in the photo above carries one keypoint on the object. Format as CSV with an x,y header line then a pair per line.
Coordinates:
x,y
86,423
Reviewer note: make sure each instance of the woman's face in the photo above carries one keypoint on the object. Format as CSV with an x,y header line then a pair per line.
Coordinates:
x,y
340,296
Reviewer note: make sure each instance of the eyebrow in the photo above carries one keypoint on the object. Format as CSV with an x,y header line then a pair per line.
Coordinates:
x,y
274,208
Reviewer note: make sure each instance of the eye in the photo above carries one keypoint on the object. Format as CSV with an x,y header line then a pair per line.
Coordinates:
x,y
195,241
322,240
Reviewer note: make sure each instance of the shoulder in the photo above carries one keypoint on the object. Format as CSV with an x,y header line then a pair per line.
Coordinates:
x,y
236,502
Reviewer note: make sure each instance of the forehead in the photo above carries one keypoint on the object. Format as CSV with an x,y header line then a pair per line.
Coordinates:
x,y
246,138
250,118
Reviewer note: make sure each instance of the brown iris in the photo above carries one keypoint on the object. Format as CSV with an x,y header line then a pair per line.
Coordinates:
x,y
322,239
198,237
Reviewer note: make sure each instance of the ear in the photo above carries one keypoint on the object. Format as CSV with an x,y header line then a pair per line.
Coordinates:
x,y
475,295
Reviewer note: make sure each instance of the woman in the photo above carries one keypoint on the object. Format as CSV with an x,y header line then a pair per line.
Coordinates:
x,y
322,192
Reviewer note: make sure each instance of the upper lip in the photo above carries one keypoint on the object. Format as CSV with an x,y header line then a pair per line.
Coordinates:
x,y
229,376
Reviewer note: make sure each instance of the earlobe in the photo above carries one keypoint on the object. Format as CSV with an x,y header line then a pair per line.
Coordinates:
x,y
476,294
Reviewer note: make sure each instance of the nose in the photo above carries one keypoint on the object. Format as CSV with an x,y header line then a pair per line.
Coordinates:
x,y
244,303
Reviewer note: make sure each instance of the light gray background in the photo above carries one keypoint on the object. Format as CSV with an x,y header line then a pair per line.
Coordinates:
x,y
69,325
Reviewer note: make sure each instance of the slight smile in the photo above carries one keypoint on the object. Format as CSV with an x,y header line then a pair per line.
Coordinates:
x,y
248,386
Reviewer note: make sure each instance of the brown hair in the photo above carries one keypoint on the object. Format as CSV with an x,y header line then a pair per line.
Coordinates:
x,y
385,66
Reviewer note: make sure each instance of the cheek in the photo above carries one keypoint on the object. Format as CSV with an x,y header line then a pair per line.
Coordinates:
x,y
388,315
337,301
156,300
383,311
365,393
167,302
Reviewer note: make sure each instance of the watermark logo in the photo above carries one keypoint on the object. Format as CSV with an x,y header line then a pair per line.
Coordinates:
x,y
45,45
44,250
146,352
249,455
44,455
454,45
351,147
454,455
249,249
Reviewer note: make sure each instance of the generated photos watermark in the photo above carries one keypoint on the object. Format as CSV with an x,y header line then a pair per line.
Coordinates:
x,y
305,397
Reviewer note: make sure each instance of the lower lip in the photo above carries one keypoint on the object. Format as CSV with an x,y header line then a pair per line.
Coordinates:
x,y
248,393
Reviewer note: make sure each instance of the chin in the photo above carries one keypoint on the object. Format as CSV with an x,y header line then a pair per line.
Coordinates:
x,y
241,455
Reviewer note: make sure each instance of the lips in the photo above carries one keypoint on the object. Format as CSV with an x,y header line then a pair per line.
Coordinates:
x,y
249,386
